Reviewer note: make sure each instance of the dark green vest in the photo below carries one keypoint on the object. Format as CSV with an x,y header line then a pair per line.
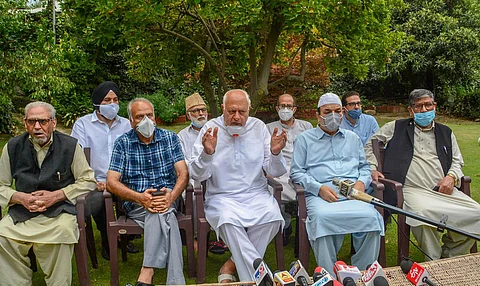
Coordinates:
x,y
54,174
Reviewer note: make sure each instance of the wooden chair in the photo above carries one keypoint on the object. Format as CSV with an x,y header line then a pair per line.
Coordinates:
x,y
79,248
203,229
304,242
403,228
123,226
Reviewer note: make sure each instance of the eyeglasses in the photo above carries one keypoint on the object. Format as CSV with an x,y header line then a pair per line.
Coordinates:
x,y
353,104
428,106
198,110
288,106
43,122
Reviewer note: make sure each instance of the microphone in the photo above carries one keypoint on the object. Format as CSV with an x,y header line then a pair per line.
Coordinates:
x,y
297,270
348,281
283,278
342,270
347,190
416,273
380,281
262,275
373,271
321,277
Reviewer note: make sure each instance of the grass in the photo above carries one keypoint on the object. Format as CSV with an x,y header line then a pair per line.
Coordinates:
x,y
467,133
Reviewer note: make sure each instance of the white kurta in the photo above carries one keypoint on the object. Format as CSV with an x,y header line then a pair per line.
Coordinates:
x,y
424,173
288,193
187,137
237,190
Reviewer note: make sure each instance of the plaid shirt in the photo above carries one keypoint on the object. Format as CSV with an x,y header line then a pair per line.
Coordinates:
x,y
144,166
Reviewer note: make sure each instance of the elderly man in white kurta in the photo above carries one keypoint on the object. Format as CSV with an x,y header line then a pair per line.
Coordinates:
x,y
423,154
232,153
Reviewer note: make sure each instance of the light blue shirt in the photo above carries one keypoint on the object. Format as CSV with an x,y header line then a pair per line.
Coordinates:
x,y
318,158
364,127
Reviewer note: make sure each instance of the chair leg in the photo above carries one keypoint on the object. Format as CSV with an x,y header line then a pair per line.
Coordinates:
x,y
304,244
81,260
403,242
113,244
296,247
33,260
202,240
382,256
279,249
123,246
91,242
474,248
190,251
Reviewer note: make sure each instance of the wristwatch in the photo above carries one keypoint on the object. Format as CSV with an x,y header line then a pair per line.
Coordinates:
x,y
454,178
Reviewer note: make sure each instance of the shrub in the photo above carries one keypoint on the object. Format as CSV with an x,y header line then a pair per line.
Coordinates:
x,y
6,120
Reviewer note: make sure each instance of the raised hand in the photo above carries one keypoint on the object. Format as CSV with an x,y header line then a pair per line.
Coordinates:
x,y
278,141
209,140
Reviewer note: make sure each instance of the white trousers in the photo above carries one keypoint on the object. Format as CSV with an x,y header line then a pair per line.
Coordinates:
x,y
248,244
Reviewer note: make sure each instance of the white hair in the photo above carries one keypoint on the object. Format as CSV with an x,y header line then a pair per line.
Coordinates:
x,y
45,105
129,106
237,90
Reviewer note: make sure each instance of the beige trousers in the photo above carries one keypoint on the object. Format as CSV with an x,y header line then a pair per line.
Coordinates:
x,y
54,259
454,244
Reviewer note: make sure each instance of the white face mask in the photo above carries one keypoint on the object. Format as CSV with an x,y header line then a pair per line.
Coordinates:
x,y
235,130
285,114
109,111
146,127
198,123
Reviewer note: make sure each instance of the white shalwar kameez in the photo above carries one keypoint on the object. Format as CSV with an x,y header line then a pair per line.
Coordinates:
x,y
238,205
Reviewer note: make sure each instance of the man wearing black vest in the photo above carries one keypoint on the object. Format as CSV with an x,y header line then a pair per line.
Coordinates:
x,y
50,171
424,156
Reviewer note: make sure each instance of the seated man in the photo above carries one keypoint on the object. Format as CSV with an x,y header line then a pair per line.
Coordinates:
x,y
423,154
319,156
232,153
98,132
143,160
362,124
286,109
50,171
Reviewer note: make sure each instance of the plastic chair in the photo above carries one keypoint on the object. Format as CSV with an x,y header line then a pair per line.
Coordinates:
x,y
304,242
123,226
203,229
403,242
79,248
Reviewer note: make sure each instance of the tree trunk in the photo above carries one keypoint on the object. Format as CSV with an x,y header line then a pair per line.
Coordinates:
x,y
206,82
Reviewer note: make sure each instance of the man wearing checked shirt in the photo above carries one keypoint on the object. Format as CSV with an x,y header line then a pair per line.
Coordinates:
x,y
144,159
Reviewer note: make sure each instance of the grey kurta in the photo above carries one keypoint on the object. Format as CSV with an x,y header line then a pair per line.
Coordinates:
x,y
424,173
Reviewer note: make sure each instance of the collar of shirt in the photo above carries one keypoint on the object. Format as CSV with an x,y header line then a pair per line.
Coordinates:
x,y
133,136
96,119
320,133
425,129
350,123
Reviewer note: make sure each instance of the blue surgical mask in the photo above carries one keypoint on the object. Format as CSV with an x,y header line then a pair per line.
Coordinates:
x,y
354,113
424,119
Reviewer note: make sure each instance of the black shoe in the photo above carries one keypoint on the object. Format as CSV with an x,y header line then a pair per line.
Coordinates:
x,y
131,248
105,253
286,235
142,284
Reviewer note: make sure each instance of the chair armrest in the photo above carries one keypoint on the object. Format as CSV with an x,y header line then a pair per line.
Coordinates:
x,y
277,190
465,185
80,207
189,200
378,189
302,203
108,197
198,192
396,186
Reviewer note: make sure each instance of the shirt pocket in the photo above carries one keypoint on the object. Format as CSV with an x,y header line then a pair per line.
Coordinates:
x,y
253,150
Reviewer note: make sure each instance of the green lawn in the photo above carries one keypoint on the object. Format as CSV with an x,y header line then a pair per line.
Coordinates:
x,y
466,132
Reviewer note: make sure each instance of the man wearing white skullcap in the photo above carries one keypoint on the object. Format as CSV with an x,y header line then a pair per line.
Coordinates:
x,y
320,155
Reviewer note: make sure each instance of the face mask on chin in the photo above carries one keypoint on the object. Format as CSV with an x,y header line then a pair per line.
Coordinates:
x,y
146,127
198,123
235,130
424,119
332,121
285,114
109,111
